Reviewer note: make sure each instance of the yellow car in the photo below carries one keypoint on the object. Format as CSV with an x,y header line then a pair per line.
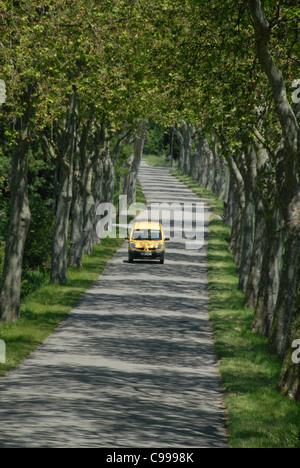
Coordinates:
x,y
146,241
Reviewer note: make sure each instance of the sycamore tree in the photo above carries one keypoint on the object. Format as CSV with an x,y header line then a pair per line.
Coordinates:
x,y
72,71
30,92
285,324
289,188
105,66
235,77
81,75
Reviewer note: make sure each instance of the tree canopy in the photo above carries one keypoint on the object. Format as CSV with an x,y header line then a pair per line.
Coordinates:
x,y
83,78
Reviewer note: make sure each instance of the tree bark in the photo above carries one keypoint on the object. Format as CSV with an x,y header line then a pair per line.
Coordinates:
x,y
88,214
255,161
236,239
217,166
289,381
290,199
132,176
18,228
108,168
187,131
66,150
82,166
181,148
279,334
101,148
229,202
224,180
270,274
195,160
247,230
251,290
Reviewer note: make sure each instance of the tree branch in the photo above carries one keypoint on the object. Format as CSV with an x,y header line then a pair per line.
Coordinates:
x,y
288,121
286,115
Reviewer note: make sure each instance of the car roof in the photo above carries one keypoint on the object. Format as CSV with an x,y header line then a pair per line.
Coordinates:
x,y
147,225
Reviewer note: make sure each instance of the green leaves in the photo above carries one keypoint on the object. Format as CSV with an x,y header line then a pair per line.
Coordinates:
x,y
129,58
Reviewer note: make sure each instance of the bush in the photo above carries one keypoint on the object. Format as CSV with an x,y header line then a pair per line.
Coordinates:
x,y
2,253
32,280
40,235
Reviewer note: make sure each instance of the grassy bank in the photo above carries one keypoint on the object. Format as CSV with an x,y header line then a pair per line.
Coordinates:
x,y
158,161
258,416
48,306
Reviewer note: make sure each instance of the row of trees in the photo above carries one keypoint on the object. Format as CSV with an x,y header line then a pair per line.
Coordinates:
x,y
253,165
82,79
71,93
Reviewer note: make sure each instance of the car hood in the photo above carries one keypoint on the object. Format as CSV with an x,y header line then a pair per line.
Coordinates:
x,y
146,244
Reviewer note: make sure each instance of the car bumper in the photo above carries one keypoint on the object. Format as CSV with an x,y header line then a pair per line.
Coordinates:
x,y
146,255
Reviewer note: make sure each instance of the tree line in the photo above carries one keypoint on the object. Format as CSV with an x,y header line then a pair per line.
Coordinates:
x,y
253,165
84,79
69,105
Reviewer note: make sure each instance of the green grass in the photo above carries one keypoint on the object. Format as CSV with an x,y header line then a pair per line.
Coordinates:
x,y
49,305
140,197
158,161
258,416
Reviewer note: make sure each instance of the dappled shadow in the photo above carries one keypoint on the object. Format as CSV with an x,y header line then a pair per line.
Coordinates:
x,y
132,366
107,407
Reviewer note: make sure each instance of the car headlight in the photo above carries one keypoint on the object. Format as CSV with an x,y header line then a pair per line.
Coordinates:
x,y
132,246
160,246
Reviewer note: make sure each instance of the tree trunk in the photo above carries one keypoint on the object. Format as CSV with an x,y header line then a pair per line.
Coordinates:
x,y
290,187
247,230
108,168
18,229
255,161
196,159
81,168
194,162
209,182
229,202
270,273
187,132
236,240
289,381
181,148
132,177
287,291
66,154
101,148
88,215
217,167
224,180
251,291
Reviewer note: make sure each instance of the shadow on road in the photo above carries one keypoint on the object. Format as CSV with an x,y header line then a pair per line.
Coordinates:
x,y
132,366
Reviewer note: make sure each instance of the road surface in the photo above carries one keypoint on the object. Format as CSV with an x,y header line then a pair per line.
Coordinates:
x,y
134,364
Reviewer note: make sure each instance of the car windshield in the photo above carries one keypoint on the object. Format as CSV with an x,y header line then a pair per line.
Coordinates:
x,y
146,234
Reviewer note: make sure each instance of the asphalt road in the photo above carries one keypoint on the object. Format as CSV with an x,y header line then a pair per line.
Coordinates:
x,y
134,364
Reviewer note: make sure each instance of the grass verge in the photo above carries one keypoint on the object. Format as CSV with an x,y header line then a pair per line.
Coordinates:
x,y
154,160
42,311
258,416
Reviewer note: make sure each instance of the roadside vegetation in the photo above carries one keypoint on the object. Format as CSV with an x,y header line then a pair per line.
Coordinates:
x,y
43,310
258,415
159,145
45,306
155,160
